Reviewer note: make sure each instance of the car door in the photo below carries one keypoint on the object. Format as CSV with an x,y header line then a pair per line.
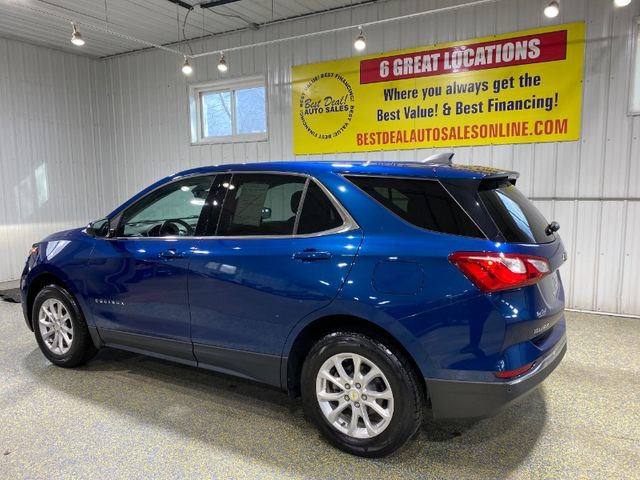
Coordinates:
x,y
281,248
137,280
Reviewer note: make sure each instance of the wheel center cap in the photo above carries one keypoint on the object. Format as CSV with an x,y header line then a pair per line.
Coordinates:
x,y
353,395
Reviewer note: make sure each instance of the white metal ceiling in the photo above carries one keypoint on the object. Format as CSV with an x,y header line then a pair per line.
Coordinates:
x,y
156,21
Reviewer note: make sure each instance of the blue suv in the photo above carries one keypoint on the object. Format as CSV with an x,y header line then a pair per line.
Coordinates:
x,y
371,289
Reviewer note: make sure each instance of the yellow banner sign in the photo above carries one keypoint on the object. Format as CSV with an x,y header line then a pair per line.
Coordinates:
x,y
519,87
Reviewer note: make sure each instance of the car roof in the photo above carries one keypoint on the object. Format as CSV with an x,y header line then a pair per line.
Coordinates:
x,y
361,167
354,167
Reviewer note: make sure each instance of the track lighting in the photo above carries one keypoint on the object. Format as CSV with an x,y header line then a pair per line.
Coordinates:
x,y
187,69
76,38
552,10
222,64
621,3
360,42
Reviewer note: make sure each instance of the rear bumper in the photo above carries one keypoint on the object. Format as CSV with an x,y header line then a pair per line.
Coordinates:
x,y
455,399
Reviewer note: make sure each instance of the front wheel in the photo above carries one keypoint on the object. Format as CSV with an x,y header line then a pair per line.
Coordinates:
x,y
364,398
60,328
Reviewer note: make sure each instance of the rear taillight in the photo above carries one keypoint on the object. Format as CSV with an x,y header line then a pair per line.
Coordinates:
x,y
491,272
516,372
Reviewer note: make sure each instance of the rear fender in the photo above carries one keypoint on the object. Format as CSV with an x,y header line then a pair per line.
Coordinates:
x,y
350,308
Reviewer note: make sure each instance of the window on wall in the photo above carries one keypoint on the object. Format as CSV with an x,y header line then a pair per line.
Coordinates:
x,y
229,111
635,81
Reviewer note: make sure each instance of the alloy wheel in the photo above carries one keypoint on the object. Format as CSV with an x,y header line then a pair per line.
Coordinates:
x,y
55,324
354,395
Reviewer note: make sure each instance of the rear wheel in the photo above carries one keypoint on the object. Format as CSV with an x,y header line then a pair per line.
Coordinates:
x,y
364,398
60,329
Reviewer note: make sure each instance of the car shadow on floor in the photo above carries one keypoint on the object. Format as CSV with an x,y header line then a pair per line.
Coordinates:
x,y
240,416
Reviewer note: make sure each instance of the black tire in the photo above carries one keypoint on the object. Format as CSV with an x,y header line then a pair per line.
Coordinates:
x,y
82,348
407,391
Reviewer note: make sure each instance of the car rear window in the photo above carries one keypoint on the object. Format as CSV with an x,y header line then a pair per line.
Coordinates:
x,y
423,203
515,216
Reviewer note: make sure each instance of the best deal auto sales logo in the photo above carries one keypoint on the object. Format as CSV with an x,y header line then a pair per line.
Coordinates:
x,y
326,115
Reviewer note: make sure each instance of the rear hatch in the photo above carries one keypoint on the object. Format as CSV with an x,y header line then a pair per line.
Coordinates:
x,y
519,229
474,219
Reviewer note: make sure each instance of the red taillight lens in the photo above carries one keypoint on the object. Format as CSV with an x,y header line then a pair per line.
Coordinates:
x,y
516,372
491,272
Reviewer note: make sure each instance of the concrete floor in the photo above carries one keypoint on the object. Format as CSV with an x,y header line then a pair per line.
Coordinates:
x,y
129,416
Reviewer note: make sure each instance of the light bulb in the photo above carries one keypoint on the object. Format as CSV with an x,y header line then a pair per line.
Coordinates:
x,y
361,42
621,3
552,10
76,38
222,64
187,69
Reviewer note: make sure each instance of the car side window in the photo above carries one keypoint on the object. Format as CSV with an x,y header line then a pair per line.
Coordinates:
x,y
318,212
423,203
172,210
261,204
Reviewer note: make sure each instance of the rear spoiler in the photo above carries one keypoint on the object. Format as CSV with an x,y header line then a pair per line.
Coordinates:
x,y
495,179
490,173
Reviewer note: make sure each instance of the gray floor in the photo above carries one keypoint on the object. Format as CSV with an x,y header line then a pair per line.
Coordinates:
x,y
9,284
128,416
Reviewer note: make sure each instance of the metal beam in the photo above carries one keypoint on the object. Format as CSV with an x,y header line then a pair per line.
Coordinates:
x,y
182,4
217,3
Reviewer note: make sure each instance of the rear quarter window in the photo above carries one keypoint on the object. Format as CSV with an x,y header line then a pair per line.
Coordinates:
x,y
423,203
318,213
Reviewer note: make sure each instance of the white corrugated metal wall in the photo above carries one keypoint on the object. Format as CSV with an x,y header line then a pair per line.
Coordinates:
x,y
49,146
591,187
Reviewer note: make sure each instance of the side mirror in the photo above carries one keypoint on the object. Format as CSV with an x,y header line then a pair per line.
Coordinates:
x,y
100,228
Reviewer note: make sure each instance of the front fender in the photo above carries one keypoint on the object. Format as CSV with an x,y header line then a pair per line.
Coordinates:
x,y
66,261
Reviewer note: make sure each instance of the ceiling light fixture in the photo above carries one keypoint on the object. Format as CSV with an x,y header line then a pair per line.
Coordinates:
x,y
552,10
187,69
360,42
76,38
222,64
621,3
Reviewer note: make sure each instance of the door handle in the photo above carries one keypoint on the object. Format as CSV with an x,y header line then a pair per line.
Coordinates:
x,y
311,255
172,253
